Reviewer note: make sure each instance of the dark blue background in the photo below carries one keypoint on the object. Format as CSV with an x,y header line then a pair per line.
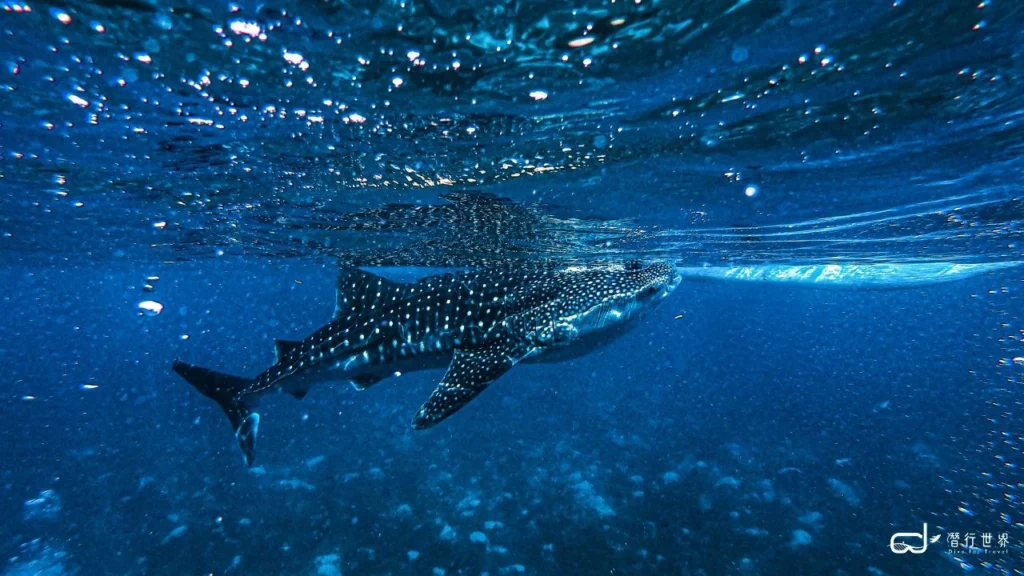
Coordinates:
x,y
752,380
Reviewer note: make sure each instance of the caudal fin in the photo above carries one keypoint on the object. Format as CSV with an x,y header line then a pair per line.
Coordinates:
x,y
226,390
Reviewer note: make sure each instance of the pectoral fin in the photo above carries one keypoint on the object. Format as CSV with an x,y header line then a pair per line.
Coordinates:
x,y
471,371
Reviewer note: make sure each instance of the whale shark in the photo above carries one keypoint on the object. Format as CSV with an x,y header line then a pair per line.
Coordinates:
x,y
479,323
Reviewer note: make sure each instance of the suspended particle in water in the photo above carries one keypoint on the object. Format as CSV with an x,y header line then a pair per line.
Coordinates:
x,y
163,21
751,190
739,54
88,387
150,307
184,336
242,27
538,95
60,15
78,100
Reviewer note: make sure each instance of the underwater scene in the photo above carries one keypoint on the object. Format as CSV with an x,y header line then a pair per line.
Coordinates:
x,y
467,288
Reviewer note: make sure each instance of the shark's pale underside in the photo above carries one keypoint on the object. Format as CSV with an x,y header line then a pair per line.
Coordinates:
x,y
479,323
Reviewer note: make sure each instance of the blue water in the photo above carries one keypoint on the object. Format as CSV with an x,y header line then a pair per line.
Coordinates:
x,y
838,182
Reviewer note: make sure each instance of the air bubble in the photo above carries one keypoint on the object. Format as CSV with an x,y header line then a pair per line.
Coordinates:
x,y
60,15
150,307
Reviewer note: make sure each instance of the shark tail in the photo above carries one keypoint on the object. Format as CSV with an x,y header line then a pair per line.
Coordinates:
x,y
227,391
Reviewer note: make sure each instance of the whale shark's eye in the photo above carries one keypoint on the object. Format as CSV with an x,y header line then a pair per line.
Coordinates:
x,y
633,265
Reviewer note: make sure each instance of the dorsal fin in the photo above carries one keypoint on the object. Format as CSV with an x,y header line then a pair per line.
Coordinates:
x,y
283,347
360,291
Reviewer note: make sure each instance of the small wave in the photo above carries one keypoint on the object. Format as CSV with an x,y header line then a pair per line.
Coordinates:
x,y
849,275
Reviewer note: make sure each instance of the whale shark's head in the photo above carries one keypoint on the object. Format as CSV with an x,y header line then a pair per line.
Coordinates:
x,y
602,297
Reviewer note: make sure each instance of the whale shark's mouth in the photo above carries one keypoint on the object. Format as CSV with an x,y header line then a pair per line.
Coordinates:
x,y
673,282
666,279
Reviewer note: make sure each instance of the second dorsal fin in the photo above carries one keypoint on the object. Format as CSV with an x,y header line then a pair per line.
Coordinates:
x,y
360,291
283,347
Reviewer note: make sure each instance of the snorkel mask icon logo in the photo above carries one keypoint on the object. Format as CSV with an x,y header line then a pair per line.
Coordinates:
x,y
901,542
